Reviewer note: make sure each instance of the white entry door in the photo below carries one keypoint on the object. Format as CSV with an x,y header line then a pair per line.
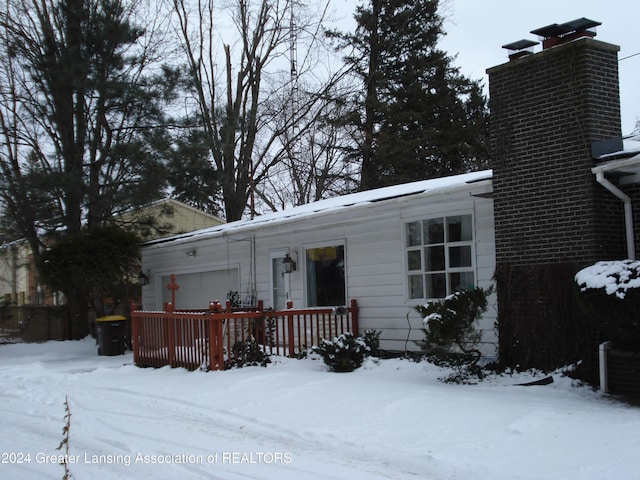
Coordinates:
x,y
280,282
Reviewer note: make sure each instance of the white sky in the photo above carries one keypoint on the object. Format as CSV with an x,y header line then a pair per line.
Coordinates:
x,y
477,29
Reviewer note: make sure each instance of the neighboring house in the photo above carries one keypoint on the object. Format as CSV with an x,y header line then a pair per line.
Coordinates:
x,y
14,272
19,282
543,212
170,217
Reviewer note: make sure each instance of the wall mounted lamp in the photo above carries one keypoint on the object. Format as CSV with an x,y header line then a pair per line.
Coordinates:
x,y
143,278
288,264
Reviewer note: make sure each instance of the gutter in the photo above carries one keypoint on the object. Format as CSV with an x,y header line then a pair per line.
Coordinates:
x,y
599,172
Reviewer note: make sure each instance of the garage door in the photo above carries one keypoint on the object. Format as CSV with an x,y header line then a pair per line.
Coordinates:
x,y
198,289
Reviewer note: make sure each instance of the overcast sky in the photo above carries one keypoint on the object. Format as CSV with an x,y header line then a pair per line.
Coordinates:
x,y
477,29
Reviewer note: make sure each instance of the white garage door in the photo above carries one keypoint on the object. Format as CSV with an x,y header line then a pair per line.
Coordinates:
x,y
198,289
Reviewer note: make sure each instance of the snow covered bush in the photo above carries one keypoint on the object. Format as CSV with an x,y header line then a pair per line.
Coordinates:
x,y
615,277
450,333
610,297
372,340
347,352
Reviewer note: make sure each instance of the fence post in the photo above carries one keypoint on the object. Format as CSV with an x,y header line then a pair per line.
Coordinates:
x,y
172,287
171,343
216,344
354,317
134,333
290,335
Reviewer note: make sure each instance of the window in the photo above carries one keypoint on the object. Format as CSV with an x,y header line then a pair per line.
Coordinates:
x,y
325,275
439,256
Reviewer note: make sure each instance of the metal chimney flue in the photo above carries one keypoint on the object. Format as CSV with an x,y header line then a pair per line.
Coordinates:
x,y
520,48
557,34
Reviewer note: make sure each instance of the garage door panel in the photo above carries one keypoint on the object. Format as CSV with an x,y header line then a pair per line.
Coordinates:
x,y
199,288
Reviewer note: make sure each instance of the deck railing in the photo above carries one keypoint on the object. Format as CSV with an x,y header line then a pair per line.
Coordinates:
x,y
209,339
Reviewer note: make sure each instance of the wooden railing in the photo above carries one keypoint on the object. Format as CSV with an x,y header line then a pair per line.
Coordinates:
x,y
209,339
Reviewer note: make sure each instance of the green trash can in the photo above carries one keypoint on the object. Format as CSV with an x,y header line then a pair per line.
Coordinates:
x,y
111,331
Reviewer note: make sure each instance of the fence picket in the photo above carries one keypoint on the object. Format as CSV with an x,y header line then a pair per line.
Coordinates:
x,y
206,338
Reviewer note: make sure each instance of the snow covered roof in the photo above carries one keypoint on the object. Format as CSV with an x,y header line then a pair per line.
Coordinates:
x,y
424,187
632,142
630,146
625,161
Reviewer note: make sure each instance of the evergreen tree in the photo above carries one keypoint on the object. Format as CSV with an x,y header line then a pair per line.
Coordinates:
x,y
420,117
95,264
192,178
79,118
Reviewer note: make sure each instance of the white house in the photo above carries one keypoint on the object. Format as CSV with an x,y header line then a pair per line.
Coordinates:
x,y
390,249
563,193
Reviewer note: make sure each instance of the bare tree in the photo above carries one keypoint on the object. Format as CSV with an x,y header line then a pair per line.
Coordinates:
x,y
245,91
318,164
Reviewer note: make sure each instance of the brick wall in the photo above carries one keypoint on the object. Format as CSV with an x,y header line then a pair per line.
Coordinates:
x,y
634,192
623,369
551,217
545,111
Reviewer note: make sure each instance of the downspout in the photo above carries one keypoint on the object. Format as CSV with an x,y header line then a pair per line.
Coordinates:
x,y
254,282
628,212
604,376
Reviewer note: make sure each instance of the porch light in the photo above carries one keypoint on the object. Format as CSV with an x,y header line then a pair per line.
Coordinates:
x,y
143,279
288,264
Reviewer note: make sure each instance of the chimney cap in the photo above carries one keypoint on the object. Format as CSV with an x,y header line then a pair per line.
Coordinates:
x,y
560,30
520,45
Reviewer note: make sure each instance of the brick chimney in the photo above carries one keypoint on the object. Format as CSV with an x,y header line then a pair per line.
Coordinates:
x,y
551,218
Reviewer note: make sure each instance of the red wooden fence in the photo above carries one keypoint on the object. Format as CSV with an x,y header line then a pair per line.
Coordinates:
x,y
206,339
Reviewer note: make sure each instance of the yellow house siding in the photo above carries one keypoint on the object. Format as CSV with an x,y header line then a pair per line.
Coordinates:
x,y
174,217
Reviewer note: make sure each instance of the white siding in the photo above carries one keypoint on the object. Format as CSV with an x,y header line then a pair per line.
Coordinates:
x,y
375,258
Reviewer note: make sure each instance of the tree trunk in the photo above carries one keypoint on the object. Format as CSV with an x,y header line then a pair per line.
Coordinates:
x,y
78,315
369,178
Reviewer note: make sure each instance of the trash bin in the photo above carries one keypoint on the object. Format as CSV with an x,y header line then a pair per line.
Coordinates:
x,y
110,331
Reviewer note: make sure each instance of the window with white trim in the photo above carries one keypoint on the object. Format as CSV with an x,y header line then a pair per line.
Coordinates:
x,y
439,256
325,275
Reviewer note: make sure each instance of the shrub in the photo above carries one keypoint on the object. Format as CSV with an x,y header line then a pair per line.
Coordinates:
x,y
252,352
372,340
347,352
610,298
234,297
450,333
247,354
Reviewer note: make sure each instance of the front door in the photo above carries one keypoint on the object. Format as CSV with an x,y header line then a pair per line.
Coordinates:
x,y
280,283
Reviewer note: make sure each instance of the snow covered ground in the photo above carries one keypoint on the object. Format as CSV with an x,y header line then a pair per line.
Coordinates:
x,y
295,420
